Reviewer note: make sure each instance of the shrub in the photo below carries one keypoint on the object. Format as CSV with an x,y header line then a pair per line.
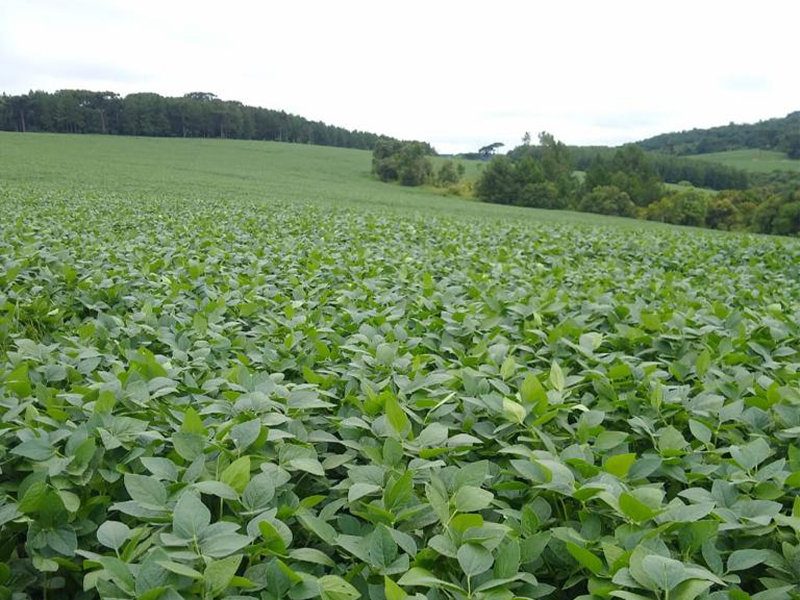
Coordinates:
x,y
681,208
608,200
498,182
384,159
406,162
788,220
521,183
723,214
448,174
542,195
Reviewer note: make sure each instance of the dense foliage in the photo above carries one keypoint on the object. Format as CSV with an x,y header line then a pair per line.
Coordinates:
x,y
673,169
631,171
781,134
626,183
537,176
409,163
608,200
197,114
223,398
249,371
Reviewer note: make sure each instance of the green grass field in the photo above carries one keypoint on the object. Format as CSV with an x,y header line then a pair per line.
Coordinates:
x,y
222,168
759,161
244,170
248,371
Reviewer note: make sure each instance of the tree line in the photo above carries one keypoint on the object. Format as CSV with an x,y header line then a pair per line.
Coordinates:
x,y
197,114
626,182
674,169
781,134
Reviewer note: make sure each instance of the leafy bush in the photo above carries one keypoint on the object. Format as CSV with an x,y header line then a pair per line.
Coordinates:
x,y
788,219
779,214
536,176
448,174
629,169
464,189
680,208
723,214
608,200
521,183
406,162
499,181
385,159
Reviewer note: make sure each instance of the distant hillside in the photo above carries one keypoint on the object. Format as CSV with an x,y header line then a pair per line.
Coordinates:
x,y
674,169
781,135
198,114
753,161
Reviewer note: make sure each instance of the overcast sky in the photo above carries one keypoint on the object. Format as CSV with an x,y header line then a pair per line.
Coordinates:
x,y
458,74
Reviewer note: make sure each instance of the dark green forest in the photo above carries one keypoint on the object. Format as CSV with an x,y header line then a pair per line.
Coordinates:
x,y
781,134
198,114
674,169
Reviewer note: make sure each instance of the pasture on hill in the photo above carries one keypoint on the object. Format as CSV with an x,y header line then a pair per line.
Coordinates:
x,y
756,161
249,371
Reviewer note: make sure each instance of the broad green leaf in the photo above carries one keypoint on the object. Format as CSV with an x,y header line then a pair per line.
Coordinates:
x,y
474,559
258,493
507,560
532,392
332,587
119,572
309,465
700,431
471,499
218,573
740,560
244,434
557,377
382,547
311,555
272,539
36,448
190,517
318,527
113,534
180,569
237,474
147,491
392,591
689,590
188,445
619,465
420,577
702,363
513,411
399,491
666,573
473,474
634,509
585,558
359,490
192,423
508,368
396,417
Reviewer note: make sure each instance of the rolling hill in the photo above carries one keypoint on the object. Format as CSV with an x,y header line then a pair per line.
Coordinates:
x,y
778,135
752,160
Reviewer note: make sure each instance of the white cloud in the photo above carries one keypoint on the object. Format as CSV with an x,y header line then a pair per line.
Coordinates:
x,y
459,74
